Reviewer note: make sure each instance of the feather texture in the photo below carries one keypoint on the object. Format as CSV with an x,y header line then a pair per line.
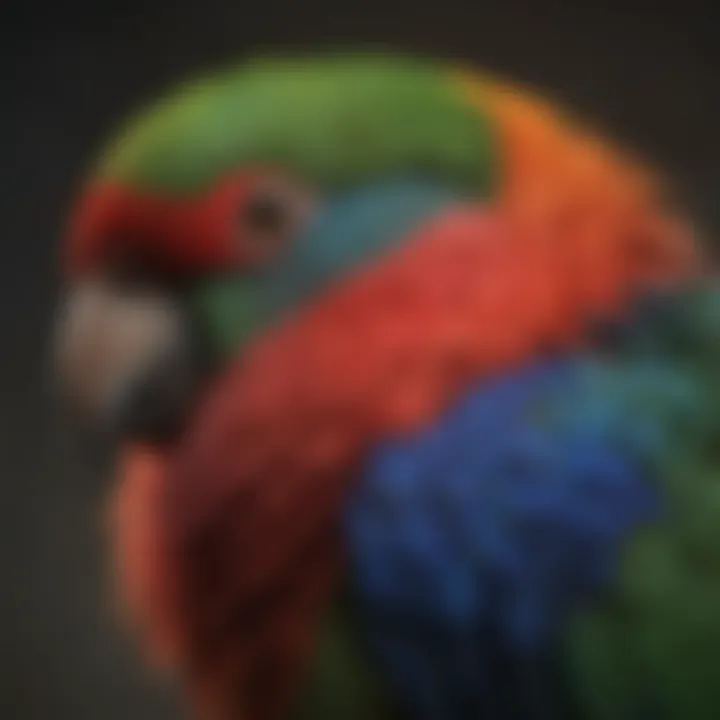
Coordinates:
x,y
474,543
333,120
337,357
568,510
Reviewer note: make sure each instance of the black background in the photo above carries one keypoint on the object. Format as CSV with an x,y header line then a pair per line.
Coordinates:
x,y
650,77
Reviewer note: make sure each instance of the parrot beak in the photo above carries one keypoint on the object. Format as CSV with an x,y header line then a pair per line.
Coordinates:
x,y
128,361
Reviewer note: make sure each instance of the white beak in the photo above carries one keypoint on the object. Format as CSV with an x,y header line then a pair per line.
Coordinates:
x,y
110,341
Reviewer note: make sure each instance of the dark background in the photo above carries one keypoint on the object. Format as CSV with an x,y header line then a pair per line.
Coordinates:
x,y
70,73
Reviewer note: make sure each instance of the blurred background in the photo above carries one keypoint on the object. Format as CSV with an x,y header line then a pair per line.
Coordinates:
x,y
71,72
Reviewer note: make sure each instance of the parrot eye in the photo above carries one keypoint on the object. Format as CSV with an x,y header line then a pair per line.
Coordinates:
x,y
266,213
271,217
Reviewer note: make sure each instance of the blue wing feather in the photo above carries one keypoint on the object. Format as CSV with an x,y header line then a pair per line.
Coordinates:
x,y
473,541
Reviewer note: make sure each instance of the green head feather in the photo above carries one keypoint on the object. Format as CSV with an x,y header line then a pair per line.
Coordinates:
x,y
333,120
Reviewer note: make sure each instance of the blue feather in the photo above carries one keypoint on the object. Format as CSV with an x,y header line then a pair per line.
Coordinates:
x,y
472,542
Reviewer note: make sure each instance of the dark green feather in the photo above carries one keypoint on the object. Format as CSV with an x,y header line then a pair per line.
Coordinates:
x,y
653,649
342,682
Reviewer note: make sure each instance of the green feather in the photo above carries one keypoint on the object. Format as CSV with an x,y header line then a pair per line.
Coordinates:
x,y
341,682
653,650
334,120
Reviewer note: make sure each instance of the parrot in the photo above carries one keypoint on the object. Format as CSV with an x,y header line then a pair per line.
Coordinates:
x,y
412,377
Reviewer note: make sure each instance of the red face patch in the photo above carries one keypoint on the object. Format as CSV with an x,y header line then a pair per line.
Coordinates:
x,y
173,235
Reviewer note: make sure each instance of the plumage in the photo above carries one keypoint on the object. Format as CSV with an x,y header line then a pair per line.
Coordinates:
x,y
455,458
358,116
559,504
474,542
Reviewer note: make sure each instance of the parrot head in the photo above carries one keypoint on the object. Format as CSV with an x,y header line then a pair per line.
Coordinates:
x,y
238,200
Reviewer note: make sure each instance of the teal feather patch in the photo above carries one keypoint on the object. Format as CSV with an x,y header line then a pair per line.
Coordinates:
x,y
354,228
